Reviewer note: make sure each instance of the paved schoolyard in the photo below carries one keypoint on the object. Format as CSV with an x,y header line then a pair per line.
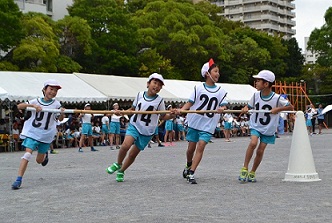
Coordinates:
x,y
74,187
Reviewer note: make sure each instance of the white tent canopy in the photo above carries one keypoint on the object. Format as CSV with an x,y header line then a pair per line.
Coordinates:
x,y
22,86
122,88
78,87
126,88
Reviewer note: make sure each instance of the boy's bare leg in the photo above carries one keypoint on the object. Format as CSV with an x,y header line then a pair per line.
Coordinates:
x,y
250,150
198,154
127,143
133,152
259,156
190,151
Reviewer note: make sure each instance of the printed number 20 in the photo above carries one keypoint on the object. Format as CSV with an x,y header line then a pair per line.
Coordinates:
x,y
211,103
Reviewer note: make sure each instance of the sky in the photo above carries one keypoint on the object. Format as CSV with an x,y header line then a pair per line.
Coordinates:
x,y
309,15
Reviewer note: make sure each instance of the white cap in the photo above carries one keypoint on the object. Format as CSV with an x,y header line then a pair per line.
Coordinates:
x,y
86,105
156,76
265,75
52,82
206,67
115,104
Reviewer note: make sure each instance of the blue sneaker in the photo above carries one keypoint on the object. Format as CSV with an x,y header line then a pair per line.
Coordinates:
x,y
45,162
16,185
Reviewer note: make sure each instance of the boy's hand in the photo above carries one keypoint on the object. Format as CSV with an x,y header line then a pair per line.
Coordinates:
x,y
117,112
220,109
37,107
177,111
245,109
274,111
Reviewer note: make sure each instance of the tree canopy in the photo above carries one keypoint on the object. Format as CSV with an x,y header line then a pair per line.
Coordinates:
x,y
136,38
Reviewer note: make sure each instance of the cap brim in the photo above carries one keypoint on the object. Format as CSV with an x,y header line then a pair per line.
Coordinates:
x,y
57,86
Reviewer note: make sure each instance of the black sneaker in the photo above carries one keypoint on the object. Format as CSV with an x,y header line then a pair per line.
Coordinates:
x,y
185,172
191,179
44,163
93,149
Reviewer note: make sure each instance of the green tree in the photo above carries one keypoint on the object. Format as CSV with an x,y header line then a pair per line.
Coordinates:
x,y
320,41
294,59
181,33
247,57
319,76
39,49
8,66
116,48
10,26
74,35
151,61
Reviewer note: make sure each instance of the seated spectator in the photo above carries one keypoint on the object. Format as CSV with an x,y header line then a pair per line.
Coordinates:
x,y
244,125
236,130
96,133
72,136
16,136
217,132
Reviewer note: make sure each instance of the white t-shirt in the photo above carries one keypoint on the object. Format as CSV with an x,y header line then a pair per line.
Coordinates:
x,y
206,98
41,126
105,120
265,123
86,118
146,124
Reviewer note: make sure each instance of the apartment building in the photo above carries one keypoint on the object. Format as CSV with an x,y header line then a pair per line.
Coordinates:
x,y
271,16
56,9
310,57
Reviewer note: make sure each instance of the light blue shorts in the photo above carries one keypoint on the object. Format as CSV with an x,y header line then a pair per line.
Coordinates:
x,y
264,138
36,145
169,125
115,128
194,135
156,132
141,141
308,122
104,129
228,125
87,129
69,137
180,127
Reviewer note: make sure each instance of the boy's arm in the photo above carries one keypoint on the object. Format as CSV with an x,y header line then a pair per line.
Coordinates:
x,y
186,106
24,105
62,114
276,110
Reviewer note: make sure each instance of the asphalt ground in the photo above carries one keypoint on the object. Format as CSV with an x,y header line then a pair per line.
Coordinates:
x,y
74,187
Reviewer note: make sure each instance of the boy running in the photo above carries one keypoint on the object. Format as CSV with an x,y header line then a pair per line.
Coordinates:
x,y
262,125
40,128
206,96
142,126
